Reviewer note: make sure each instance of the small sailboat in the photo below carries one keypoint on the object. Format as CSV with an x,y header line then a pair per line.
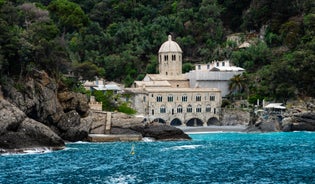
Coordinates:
x,y
132,151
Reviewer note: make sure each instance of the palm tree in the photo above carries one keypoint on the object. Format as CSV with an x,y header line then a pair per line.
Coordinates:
x,y
238,84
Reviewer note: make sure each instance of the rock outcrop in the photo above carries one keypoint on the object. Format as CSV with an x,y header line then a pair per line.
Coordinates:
x,y
272,123
161,132
232,117
299,122
43,100
18,132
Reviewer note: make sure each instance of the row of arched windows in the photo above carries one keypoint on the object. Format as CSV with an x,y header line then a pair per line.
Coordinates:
x,y
189,109
166,57
170,98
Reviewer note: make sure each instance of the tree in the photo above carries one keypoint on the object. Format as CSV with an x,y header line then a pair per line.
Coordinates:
x,y
68,15
238,84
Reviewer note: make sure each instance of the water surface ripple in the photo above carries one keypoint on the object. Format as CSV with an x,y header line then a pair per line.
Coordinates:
x,y
208,158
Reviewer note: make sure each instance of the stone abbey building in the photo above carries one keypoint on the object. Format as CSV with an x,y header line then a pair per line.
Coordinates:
x,y
169,98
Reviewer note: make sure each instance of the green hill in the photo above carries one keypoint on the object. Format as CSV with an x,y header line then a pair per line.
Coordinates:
x,y
119,40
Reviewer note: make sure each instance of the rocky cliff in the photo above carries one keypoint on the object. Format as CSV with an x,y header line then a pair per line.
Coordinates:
x,y
18,132
42,100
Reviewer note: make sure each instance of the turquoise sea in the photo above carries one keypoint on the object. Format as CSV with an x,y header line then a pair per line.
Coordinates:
x,y
208,158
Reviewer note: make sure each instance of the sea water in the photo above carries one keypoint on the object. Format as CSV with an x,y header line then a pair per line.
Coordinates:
x,y
208,158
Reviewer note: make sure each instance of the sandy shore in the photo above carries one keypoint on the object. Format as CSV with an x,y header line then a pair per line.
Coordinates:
x,y
238,128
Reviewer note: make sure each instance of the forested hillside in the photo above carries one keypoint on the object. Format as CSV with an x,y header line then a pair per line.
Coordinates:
x,y
119,40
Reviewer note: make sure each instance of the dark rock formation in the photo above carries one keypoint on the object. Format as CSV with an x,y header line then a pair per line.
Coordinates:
x,y
299,122
18,132
161,132
40,100
270,123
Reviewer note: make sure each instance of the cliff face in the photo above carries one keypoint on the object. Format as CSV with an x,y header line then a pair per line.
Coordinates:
x,y
18,132
39,99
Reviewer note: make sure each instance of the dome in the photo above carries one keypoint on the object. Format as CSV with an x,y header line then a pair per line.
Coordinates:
x,y
170,46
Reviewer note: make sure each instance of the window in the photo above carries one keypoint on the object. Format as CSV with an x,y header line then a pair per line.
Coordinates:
x,y
198,98
159,98
165,57
218,64
208,66
144,99
208,108
223,63
199,67
212,98
214,110
179,109
162,109
184,98
173,57
189,108
170,98
198,109
152,111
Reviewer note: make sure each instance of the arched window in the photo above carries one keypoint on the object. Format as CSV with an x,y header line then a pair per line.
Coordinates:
x,y
212,98
170,98
173,57
159,98
165,57
162,109
208,108
179,109
189,108
184,98
198,98
198,109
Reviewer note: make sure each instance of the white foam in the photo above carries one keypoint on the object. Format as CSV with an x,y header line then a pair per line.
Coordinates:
x,y
148,139
184,147
122,179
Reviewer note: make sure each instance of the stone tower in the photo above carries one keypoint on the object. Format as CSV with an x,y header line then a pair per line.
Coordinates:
x,y
170,58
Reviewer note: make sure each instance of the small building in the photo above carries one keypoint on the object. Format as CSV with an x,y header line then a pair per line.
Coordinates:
x,y
101,85
215,74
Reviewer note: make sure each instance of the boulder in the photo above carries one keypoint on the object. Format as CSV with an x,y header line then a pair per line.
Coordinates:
x,y
18,132
299,122
73,128
270,124
161,132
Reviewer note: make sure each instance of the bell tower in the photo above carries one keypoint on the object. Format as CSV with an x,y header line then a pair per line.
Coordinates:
x,y
170,58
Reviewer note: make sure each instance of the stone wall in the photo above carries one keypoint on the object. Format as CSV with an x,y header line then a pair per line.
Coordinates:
x,y
234,117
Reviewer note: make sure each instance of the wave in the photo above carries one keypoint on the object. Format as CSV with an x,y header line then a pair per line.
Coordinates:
x,y
28,151
184,147
148,139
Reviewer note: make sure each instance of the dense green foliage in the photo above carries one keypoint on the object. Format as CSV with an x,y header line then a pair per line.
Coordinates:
x,y
119,40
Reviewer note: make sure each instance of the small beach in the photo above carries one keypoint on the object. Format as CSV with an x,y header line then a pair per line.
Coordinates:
x,y
237,128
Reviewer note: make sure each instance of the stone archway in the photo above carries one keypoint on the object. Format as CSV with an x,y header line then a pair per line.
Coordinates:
x,y
213,121
176,122
159,120
194,122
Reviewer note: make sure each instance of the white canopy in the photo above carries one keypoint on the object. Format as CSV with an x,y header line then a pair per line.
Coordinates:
x,y
275,106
